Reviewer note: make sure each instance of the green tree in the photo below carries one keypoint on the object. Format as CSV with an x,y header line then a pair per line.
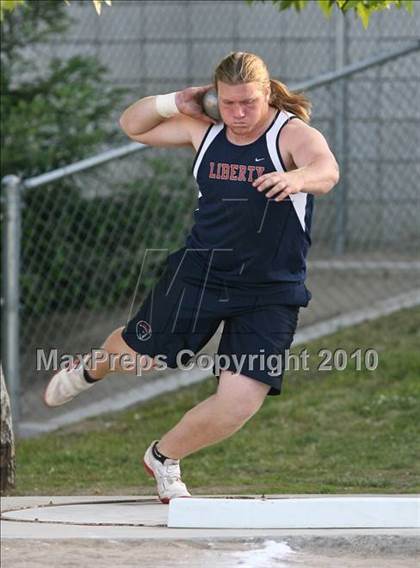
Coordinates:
x,y
54,115
51,115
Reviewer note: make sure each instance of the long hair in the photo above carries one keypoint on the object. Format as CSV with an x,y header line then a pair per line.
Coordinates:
x,y
243,67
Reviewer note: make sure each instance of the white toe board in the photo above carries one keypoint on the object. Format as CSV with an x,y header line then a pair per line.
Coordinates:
x,y
320,512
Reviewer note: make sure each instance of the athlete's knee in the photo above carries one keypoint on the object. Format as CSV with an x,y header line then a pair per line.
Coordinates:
x,y
118,333
240,409
241,396
120,357
114,339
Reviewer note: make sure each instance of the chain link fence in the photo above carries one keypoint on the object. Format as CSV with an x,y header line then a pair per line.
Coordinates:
x,y
85,236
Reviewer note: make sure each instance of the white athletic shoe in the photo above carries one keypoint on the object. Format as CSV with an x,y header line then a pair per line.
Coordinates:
x,y
66,384
167,476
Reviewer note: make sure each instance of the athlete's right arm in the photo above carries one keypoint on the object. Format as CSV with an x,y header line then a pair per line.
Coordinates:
x,y
142,122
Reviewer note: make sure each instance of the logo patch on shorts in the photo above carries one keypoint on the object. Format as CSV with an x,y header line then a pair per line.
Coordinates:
x,y
143,330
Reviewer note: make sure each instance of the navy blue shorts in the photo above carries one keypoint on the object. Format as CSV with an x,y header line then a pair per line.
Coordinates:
x,y
183,311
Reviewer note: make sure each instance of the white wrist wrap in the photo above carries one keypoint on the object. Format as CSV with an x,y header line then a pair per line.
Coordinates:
x,y
165,105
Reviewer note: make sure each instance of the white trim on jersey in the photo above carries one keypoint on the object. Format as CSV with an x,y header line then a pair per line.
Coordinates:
x,y
211,135
299,202
298,199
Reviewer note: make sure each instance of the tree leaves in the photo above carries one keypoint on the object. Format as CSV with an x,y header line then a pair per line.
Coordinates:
x,y
326,6
98,5
363,13
362,8
10,5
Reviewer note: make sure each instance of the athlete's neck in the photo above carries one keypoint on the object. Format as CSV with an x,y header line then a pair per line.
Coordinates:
x,y
255,133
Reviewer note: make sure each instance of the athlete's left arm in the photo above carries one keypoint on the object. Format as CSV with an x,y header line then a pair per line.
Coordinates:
x,y
313,166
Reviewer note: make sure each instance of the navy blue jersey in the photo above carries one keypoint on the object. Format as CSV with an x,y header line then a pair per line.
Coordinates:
x,y
247,240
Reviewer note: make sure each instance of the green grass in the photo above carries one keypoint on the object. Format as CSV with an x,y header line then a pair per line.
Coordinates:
x,y
329,432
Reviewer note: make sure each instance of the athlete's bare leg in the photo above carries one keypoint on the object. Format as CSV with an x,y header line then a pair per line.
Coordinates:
x,y
110,358
115,356
237,399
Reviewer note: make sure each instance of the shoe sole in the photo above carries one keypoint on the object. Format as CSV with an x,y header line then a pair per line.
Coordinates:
x,y
149,471
164,500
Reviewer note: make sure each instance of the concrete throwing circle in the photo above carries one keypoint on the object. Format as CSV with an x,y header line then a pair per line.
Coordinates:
x,y
241,513
130,513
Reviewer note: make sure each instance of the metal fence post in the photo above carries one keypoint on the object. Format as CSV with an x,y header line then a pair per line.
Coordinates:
x,y
10,347
339,125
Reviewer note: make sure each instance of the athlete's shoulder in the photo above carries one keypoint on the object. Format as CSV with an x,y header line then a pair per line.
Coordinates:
x,y
296,131
197,128
200,129
302,143
294,124
296,134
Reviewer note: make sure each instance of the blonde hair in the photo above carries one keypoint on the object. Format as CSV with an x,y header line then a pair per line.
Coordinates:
x,y
243,67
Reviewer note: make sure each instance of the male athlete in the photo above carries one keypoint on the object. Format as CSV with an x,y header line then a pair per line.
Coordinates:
x,y
243,263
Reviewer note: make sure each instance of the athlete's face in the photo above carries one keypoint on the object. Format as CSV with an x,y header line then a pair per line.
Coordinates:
x,y
243,107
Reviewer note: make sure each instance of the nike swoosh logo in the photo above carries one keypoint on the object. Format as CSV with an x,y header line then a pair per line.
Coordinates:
x,y
259,159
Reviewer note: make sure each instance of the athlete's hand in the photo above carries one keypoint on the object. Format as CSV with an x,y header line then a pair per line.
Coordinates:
x,y
189,100
279,184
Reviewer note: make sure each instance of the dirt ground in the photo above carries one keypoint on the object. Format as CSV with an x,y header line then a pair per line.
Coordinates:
x,y
192,554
